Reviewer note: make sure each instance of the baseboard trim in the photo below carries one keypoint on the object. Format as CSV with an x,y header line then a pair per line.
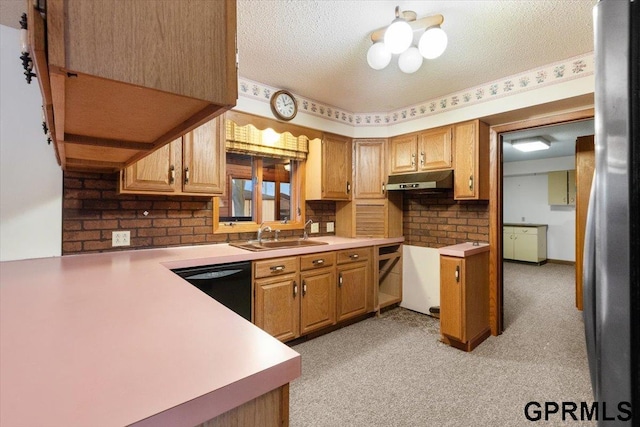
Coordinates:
x,y
561,261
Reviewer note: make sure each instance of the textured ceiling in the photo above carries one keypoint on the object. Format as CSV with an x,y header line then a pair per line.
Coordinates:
x,y
317,49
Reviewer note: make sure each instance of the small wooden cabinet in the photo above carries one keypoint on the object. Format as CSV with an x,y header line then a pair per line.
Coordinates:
x,y
354,283
328,168
191,165
370,174
277,297
318,302
471,161
525,242
464,299
427,150
562,187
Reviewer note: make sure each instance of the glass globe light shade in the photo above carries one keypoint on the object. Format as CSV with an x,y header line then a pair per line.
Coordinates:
x,y
378,56
433,42
410,60
398,36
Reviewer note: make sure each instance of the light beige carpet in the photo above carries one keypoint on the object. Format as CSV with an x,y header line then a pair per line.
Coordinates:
x,y
393,371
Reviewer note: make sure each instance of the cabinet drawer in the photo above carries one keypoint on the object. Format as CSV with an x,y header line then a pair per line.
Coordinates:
x,y
353,255
525,230
310,262
274,267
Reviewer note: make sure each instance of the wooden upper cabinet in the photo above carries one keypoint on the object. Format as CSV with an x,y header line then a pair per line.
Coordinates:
x,y
192,165
471,171
154,173
369,168
204,159
122,78
403,153
434,149
328,168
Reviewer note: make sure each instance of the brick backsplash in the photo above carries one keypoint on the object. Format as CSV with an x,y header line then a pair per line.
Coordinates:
x,y
92,209
436,220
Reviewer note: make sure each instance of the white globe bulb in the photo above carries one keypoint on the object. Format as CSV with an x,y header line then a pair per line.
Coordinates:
x,y
378,56
398,36
410,60
433,42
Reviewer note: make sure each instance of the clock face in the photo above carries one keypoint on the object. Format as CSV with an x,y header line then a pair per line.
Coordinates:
x,y
284,106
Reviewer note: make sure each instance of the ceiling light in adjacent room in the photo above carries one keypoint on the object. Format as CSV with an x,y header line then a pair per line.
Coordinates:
x,y
531,144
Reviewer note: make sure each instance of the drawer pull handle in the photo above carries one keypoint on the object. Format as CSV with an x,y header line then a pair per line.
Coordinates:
x,y
295,289
457,273
354,256
340,280
304,288
277,268
172,174
318,261
470,182
186,175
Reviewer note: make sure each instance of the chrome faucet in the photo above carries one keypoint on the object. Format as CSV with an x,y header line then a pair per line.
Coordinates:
x,y
305,236
262,229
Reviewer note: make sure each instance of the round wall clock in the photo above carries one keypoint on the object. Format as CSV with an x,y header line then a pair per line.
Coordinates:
x,y
283,105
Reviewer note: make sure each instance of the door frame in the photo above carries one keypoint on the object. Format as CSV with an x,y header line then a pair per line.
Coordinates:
x,y
496,303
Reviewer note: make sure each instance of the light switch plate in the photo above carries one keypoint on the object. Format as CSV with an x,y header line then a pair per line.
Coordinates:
x,y
329,227
315,227
120,238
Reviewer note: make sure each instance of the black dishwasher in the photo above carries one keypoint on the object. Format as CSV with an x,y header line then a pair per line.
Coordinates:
x,y
229,284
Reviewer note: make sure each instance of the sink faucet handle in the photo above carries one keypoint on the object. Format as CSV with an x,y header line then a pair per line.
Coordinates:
x,y
277,232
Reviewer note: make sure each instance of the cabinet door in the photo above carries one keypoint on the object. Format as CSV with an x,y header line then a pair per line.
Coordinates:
x,y
352,290
204,159
525,247
370,173
403,154
507,243
434,149
465,176
277,306
318,307
451,297
571,187
336,168
557,187
156,172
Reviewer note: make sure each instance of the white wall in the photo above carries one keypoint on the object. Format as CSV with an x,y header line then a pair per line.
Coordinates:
x,y
525,191
30,178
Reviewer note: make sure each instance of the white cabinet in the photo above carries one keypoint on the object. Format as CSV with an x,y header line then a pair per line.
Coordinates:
x,y
525,243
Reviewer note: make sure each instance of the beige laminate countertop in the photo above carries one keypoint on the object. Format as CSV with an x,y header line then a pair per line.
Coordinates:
x,y
118,339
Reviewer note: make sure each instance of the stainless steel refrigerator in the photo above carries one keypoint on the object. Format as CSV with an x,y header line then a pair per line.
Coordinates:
x,y
612,247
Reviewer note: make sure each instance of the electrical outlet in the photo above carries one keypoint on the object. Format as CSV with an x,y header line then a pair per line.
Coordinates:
x,y
329,227
120,238
315,227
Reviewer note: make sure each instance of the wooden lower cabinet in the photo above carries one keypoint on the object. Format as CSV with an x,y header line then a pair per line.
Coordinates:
x,y
464,300
277,306
295,296
318,307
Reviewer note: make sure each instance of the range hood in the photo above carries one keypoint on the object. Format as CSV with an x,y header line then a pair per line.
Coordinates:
x,y
441,180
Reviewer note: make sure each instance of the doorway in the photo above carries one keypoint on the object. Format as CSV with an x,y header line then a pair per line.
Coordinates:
x,y
496,201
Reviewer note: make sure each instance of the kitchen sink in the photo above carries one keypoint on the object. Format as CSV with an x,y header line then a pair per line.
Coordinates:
x,y
267,245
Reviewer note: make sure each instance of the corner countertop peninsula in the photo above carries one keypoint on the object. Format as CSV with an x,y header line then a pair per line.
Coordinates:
x,y
118,339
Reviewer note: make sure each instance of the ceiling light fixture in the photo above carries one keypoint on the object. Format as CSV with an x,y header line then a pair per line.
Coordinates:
x,y
398,38
526,145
